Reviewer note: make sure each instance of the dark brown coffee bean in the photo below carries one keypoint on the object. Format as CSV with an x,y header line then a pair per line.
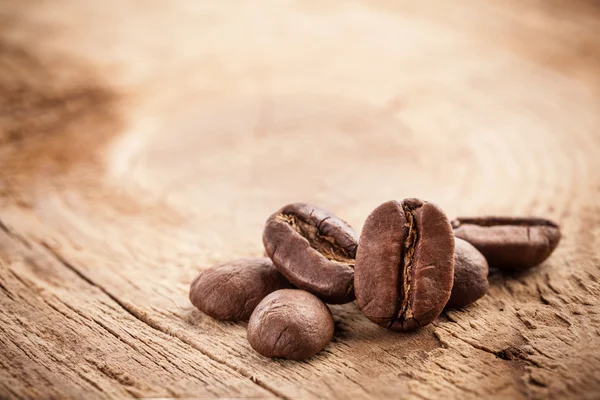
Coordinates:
x,y
470,275
510,243
291,324
404,264
314,249
231,291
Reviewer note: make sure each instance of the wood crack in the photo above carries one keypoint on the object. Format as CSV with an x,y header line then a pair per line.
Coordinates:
x,y
5,290
88,380
157,327
110,331
507,354
58,257
15,236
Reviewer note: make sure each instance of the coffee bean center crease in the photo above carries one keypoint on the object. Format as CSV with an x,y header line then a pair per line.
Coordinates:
x,y
324,244
405,311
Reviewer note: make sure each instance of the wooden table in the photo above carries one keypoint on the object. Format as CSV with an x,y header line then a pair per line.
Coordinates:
x,y
141,141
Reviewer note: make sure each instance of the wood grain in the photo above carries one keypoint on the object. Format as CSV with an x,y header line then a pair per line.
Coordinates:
x,y
143,141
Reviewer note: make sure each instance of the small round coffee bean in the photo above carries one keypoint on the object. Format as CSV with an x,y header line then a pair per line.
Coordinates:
x,y
230,291
510,243
404,264
314,250
470,275
291,324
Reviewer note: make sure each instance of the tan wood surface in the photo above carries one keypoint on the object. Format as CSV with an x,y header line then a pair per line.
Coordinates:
x,y
141,141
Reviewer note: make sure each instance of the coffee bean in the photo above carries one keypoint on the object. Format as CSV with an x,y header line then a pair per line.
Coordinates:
x,y
231,291
291,324
470,275
404,264
510,243
314,249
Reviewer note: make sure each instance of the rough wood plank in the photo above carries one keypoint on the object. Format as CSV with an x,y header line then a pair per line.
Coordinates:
x,y
61,334
130,157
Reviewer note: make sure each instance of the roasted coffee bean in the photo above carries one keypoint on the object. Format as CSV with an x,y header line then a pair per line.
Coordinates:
x,y
470,275
404,264
510,243
314,249
231,291
291,324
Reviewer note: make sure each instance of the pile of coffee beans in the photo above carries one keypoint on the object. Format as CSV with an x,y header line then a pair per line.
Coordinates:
x,y
408,265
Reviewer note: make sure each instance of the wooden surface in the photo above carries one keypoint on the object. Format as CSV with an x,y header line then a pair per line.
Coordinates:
x,y
141,141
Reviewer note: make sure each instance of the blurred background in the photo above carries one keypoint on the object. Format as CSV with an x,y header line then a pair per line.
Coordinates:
x,y
225,111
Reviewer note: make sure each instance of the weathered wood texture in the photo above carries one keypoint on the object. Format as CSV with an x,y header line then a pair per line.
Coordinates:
x,y
141,141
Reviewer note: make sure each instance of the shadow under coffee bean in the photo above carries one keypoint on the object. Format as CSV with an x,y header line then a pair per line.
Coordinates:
x,y
510,243
314,250
404,264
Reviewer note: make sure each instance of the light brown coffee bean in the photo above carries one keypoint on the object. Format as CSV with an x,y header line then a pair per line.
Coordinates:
x,y
291,324
230,291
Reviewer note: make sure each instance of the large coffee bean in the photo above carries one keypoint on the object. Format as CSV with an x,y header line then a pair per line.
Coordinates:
x,y
404,264
314,249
